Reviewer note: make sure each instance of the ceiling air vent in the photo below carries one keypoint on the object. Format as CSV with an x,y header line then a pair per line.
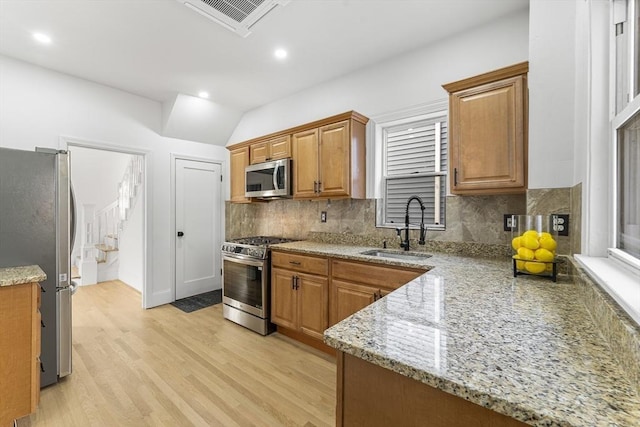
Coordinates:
x,y
236,15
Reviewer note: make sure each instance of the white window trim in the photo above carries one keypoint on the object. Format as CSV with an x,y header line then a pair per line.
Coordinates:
x,y
615,271
618,278
379,123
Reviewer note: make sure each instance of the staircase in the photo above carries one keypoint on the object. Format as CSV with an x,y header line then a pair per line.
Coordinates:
x,y
101,229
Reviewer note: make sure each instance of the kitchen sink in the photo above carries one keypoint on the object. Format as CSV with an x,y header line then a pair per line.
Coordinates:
x,y
406,256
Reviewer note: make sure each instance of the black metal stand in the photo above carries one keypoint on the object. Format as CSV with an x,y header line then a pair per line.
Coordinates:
x,y
554,270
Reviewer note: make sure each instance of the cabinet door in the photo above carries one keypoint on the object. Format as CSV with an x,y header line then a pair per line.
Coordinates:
x,y
280,148
488,138
349,298
305,163
313,305
239,161
334,159
284,305
259,152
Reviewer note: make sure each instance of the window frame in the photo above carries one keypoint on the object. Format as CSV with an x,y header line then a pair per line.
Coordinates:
x,y
621,118
438,108
616,271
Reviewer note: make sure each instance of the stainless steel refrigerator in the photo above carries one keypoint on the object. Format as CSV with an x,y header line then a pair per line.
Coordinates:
x,y
37,224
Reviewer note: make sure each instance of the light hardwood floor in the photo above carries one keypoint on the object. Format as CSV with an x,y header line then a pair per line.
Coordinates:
x,y
164,367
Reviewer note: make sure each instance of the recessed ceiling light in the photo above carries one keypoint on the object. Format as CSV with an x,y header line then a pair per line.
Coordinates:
x,y
42,38
204,95
280,53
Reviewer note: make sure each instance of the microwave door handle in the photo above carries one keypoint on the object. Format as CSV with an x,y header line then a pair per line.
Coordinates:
x,y
275,178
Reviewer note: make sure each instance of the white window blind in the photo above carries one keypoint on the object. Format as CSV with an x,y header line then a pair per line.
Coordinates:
x,y
415,163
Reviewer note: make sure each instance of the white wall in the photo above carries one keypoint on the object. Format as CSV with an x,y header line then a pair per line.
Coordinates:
x,y
37,106
197,119
552,39
95,175
131,246
410,79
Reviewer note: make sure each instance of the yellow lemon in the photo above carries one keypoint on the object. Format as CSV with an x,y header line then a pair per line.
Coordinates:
x,y
549,268
530,242
548,243
519,264
525,253
532,233
515,243
543,254
534,267
546,235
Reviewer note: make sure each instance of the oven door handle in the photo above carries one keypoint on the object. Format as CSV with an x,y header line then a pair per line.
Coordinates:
x,y
244,261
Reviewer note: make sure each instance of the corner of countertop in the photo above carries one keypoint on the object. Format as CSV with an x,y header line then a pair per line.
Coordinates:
x,y
10,276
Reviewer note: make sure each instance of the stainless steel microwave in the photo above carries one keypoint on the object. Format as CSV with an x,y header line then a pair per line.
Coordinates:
x,y
268,180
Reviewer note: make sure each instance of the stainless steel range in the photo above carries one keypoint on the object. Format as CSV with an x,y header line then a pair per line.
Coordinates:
x,y
246,290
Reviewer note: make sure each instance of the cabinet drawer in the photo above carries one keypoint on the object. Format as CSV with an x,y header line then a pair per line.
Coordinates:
x,y
303,263
373,274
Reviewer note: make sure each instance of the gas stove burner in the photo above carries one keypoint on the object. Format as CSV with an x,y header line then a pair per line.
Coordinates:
x,y
261,240
252,247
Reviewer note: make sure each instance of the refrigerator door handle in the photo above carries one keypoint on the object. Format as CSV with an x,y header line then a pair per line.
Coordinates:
x,y
72,214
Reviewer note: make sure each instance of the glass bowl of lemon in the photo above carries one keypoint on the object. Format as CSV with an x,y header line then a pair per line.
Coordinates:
x,y
534,243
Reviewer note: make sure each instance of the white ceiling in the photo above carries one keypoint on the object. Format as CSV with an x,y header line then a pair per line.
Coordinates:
x,y
160,48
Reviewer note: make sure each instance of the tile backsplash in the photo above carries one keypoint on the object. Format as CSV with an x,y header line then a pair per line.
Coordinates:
x,y
469,218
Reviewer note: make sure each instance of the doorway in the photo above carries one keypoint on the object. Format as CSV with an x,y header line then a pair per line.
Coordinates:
x,y
110,188
198,226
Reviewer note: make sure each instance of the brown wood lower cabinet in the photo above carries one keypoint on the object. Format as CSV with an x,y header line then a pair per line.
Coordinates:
x,y
300,293
19,351
355,285
310,293
372,396
300,301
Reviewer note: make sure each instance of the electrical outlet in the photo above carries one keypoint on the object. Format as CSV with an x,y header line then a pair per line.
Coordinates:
x,y
323,216
561,224
509,222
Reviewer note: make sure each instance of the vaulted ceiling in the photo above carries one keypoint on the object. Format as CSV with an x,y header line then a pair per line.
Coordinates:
x,y
160,48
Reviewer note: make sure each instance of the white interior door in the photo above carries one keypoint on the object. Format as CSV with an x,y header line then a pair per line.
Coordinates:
x,y
198,233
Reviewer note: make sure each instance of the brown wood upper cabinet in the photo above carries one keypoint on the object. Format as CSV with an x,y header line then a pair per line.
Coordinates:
x,y
329,161
488,120
271,149
239,161
328,158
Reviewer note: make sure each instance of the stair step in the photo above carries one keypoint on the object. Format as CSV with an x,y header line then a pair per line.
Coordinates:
x,y
100,261
105,248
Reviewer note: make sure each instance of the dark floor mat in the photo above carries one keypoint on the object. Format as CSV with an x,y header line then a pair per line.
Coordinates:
x,y
197,302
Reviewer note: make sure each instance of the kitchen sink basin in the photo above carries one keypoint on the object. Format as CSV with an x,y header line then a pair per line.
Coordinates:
x,y
406,256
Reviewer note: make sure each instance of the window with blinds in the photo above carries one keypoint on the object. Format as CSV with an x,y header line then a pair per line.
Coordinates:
x,y
415,164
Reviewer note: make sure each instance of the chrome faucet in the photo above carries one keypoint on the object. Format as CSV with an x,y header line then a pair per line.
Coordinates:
x,y
405,243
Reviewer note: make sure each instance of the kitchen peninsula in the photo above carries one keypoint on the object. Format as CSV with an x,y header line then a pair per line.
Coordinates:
x,y
525,349
19,341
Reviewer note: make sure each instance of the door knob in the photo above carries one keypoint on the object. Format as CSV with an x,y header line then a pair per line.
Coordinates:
x,y
180,234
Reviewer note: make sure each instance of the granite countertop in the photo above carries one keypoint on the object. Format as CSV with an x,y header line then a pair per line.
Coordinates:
x,y
354,253
524,347
20,275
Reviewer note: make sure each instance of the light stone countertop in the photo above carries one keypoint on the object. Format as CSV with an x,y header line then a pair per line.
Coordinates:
x,y
10,276
524,347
